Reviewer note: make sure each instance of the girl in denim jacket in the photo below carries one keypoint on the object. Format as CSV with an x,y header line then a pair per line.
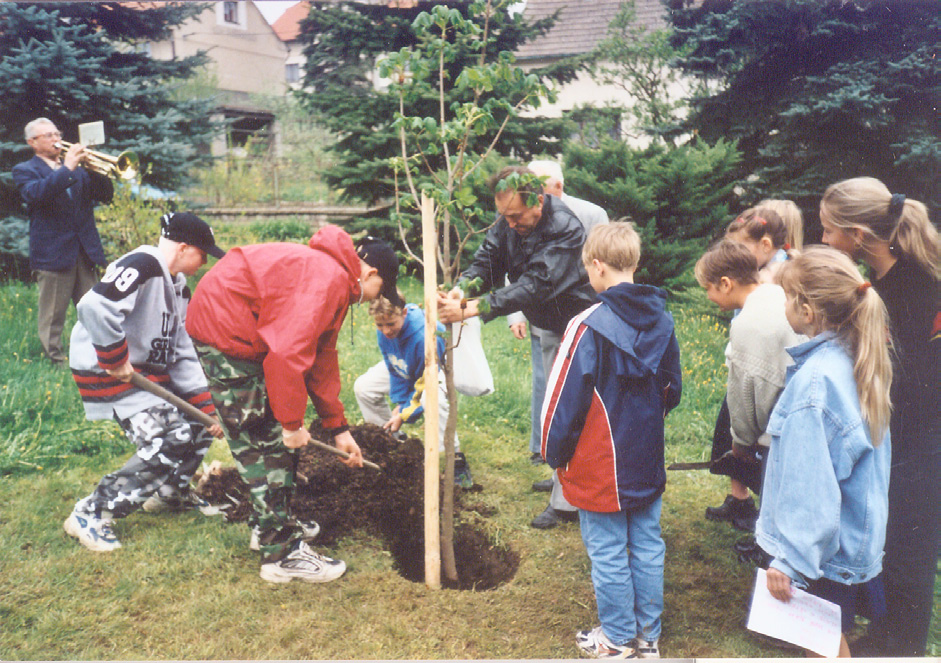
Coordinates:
x,y
825,500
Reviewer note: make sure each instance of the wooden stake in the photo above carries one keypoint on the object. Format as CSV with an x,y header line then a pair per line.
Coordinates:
x,y
432,518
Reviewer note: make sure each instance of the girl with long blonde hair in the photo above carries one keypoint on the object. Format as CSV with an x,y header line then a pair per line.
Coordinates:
x,y
824,501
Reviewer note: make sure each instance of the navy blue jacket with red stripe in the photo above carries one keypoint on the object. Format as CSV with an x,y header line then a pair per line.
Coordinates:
x,y
615,378
136,312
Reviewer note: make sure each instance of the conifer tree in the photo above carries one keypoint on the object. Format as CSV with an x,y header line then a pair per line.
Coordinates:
x,y
818,91
679,197
347,43
80,62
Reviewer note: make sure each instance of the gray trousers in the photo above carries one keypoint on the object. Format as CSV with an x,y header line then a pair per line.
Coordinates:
x,y
56,290
372,389
548,343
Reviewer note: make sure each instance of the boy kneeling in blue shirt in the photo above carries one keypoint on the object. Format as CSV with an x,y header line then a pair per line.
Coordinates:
x,y
400,331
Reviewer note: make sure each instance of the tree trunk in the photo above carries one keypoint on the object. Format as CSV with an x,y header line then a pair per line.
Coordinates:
x,y
447,506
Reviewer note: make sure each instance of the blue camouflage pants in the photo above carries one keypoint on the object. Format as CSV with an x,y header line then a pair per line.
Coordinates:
x,y
169,451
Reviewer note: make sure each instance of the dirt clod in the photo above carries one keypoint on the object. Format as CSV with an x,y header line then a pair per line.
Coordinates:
x,y
386,504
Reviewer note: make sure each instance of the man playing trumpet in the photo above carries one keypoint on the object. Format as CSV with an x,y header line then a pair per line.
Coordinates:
x,y
64,245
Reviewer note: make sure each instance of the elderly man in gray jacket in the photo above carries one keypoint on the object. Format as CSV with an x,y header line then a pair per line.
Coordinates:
x,y
589,215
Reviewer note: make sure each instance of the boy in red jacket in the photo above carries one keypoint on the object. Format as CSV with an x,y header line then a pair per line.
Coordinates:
x,y
265,321
616,376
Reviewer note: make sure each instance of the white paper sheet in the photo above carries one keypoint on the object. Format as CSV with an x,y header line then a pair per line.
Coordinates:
x,y
806,620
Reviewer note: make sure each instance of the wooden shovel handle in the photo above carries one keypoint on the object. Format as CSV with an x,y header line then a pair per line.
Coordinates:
x,y
141,382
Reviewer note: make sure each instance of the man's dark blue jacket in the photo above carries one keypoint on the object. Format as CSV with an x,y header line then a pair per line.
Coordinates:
x,y
61,219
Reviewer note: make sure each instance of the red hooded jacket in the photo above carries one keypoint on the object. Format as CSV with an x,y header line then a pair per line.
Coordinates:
x,y
283,305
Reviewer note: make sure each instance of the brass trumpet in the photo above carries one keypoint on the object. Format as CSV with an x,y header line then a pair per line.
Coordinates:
x,y
124,166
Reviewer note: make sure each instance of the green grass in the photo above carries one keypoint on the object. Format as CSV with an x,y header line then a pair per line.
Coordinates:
x,y
187,587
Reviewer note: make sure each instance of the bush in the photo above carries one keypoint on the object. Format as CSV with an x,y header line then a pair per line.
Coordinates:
x,y
14,249
679,198
291,230
129,220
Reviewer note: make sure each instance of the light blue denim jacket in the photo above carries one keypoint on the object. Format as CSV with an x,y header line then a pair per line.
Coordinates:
x,y
824,500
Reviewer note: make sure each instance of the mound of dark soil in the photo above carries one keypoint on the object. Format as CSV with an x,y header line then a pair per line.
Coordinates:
x,y
387,504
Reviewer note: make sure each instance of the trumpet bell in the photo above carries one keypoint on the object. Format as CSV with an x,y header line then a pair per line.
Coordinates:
x,y
127,165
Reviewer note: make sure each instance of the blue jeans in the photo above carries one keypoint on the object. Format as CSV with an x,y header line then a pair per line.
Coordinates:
x,y
628,585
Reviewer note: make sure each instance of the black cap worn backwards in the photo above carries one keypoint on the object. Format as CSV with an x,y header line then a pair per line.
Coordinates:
x,y
188,228
376,253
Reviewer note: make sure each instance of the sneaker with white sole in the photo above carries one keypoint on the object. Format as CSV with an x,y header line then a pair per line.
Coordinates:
x,y
93,533
595,644
646,648
181,501
302,563
309,529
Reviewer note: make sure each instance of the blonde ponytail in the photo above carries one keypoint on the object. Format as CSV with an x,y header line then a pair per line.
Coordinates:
x,y
842,302
866,204
790,213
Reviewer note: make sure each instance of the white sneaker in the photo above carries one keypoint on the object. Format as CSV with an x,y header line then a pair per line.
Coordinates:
x,y
309,528
646,648
180,502
595,644
302,563
93,533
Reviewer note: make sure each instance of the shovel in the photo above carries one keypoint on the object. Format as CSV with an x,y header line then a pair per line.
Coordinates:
x,y
141,382
704,464
701,465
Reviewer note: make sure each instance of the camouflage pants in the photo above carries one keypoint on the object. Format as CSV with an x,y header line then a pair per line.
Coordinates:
x,y
267,466
169,450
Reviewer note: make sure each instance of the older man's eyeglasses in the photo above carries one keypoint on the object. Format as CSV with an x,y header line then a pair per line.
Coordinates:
x,y
48,134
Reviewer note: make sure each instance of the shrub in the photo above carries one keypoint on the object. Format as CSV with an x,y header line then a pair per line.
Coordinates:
x,y
290,230
678,197
129,220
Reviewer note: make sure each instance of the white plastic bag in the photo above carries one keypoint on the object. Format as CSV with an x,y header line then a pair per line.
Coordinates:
x,y
472,375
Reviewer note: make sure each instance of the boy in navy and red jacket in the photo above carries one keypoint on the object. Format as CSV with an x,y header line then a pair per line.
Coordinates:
x,y
615,378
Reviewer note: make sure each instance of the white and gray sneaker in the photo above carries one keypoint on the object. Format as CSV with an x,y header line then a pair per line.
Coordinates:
x,y
309,529
93,533
180,501
646,648
302,563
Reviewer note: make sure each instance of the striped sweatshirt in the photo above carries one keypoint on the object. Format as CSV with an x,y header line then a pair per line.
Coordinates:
x,y
138,312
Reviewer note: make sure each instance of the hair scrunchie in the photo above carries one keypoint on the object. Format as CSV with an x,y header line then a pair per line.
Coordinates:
x,y
863,287
896,203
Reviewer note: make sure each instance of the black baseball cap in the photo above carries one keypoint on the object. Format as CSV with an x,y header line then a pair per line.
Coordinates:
x,y
376,253
188,228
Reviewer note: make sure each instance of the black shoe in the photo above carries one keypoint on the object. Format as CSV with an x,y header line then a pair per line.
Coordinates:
x,y
551,517
544,486
462,473
741,513
749,552
537,459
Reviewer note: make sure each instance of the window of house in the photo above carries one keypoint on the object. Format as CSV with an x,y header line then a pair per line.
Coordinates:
x,y
231,14
292,73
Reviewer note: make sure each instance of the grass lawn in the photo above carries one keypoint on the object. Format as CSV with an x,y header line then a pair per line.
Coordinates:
x,y
187,586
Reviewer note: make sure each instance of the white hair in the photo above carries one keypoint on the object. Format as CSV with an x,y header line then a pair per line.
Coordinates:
x,y
30,129
546,168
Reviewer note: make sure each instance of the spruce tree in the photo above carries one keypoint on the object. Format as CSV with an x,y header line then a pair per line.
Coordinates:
x,y
678,197
818,91
79,62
